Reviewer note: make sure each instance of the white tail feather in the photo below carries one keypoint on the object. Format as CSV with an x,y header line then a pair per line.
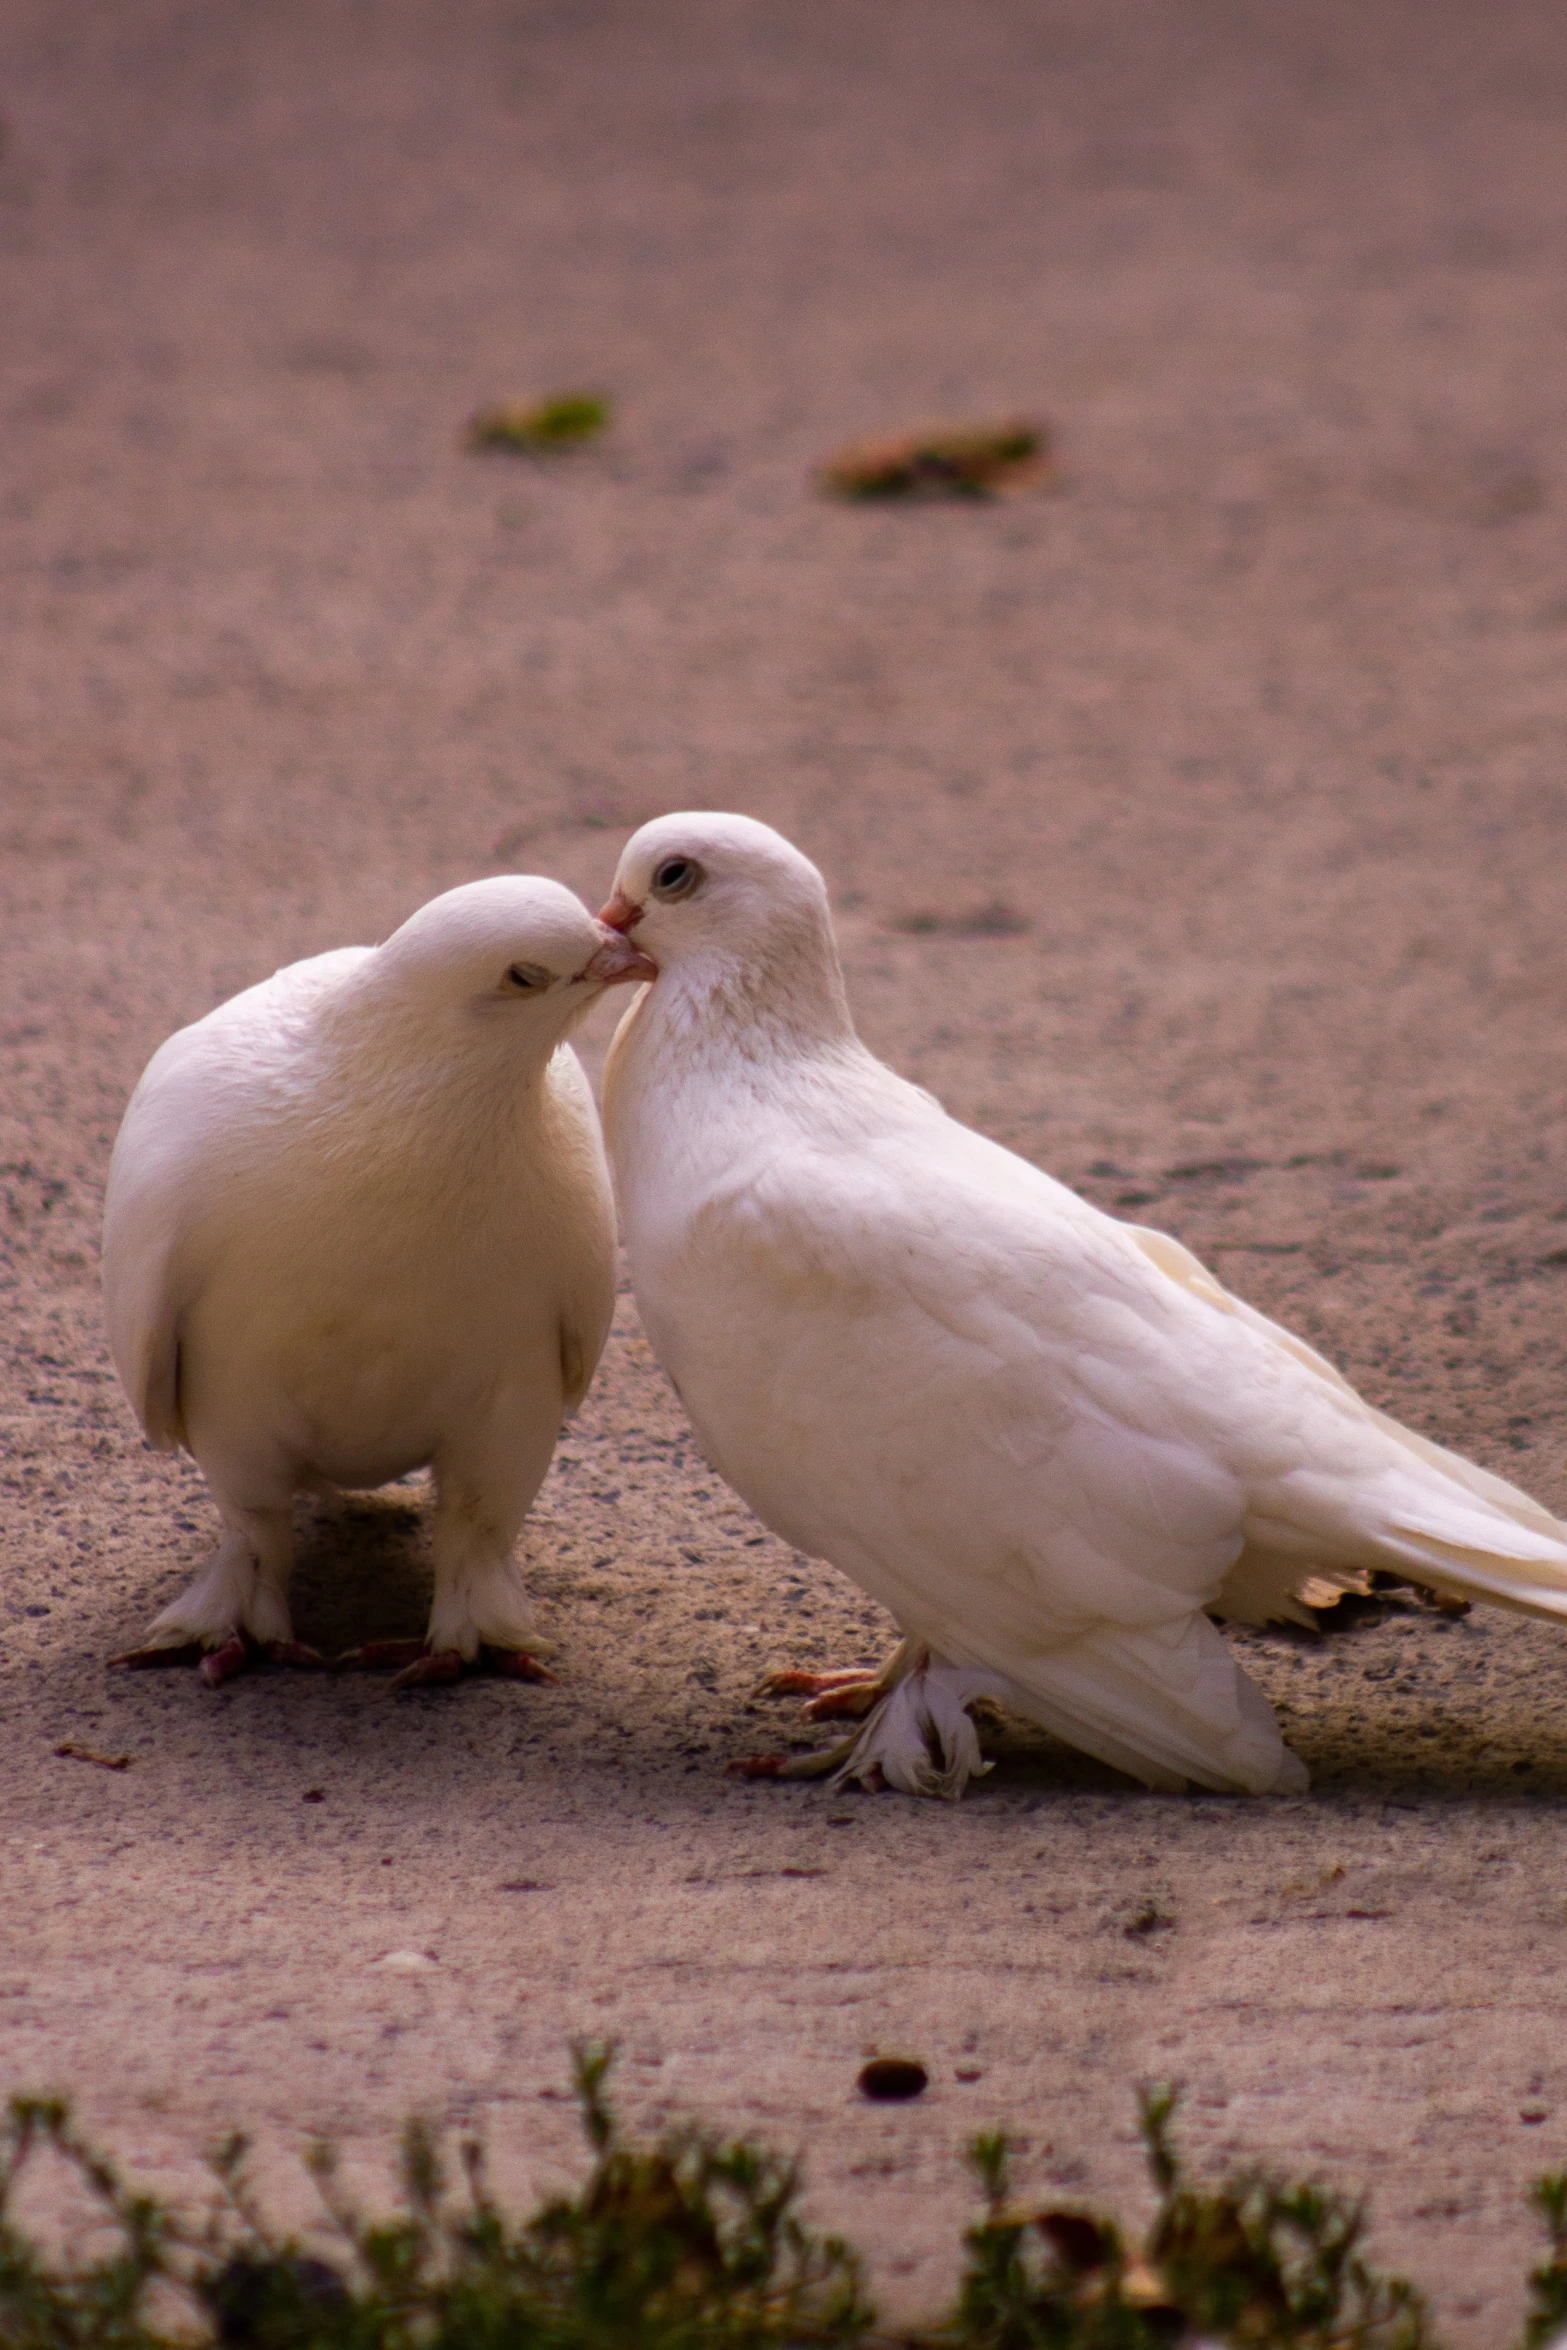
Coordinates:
x,y
1165,1711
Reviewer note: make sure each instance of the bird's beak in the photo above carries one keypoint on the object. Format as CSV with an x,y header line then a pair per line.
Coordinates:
x,y
620,913
618,961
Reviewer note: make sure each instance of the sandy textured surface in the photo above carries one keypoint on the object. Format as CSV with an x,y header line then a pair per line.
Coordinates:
x,y
1254,731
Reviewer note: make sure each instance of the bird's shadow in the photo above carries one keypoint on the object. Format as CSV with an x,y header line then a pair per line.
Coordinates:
x,y
361,1569
1376,1762
363,1573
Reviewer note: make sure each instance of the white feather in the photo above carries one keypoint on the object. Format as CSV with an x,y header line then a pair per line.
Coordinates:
x,y
1048,1441
358,1223
921,1738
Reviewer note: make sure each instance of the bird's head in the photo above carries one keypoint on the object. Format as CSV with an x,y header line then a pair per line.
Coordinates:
x,y
513,947
729,908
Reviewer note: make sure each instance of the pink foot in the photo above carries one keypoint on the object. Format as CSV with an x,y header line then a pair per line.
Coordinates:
x,y
420,1667
441,1664
840,1696
238,1654
146,1660
791,1766
793,1682
850,1703
222,1664
514,1664
294,1652
378,1653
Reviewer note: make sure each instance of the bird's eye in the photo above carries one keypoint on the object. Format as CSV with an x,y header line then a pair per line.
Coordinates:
x,y
677,877
529,978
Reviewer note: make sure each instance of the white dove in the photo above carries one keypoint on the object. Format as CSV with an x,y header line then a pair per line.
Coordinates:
x,y
359,1223
1048,1441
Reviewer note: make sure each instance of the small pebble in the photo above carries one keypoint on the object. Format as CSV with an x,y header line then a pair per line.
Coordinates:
x,y
1078,2242
889,2080
255,2298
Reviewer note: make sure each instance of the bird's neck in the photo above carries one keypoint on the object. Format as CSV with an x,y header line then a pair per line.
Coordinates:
x,y
765,1008
451,1095
705,1062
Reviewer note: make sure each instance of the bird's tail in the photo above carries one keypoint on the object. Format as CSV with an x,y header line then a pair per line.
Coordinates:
x,y
1404,1504
1426,1514
1475,1535
1168,1704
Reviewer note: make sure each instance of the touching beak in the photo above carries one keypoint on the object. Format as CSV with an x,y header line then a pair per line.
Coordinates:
x,y
617,961
620,913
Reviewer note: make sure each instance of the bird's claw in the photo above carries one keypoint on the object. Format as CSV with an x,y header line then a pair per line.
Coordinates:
x,y
375,1654
145,1660
815,1765
850,1703
515,1664
421,1667
838,1696
224,1662
438,1664
237,1654
294,1652
240,1654
793,1681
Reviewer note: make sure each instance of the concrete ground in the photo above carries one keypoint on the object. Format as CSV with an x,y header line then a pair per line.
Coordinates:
x,y
1253,733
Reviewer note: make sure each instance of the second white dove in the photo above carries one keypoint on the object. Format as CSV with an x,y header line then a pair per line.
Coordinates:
x,y
1048,1441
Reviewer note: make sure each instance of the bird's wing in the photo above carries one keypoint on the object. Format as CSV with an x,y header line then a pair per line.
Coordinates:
x,y
142,1309
585,1258
977,1398
181,1145
1080,1413
997,1367
144,1234
1049,1442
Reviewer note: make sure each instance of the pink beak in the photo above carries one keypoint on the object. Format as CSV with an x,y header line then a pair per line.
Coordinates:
x,y
620,913
618,961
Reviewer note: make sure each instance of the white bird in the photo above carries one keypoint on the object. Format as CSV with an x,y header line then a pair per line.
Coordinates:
x,y
359,1223
1048,1441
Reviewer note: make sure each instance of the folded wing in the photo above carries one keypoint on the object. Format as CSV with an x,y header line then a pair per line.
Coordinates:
x,y
1051,1441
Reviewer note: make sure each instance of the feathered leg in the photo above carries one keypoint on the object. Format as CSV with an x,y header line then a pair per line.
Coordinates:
x,y
236,1608
919,1737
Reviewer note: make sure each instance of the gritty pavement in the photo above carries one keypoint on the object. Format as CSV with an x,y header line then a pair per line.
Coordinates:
x,y
1197,830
